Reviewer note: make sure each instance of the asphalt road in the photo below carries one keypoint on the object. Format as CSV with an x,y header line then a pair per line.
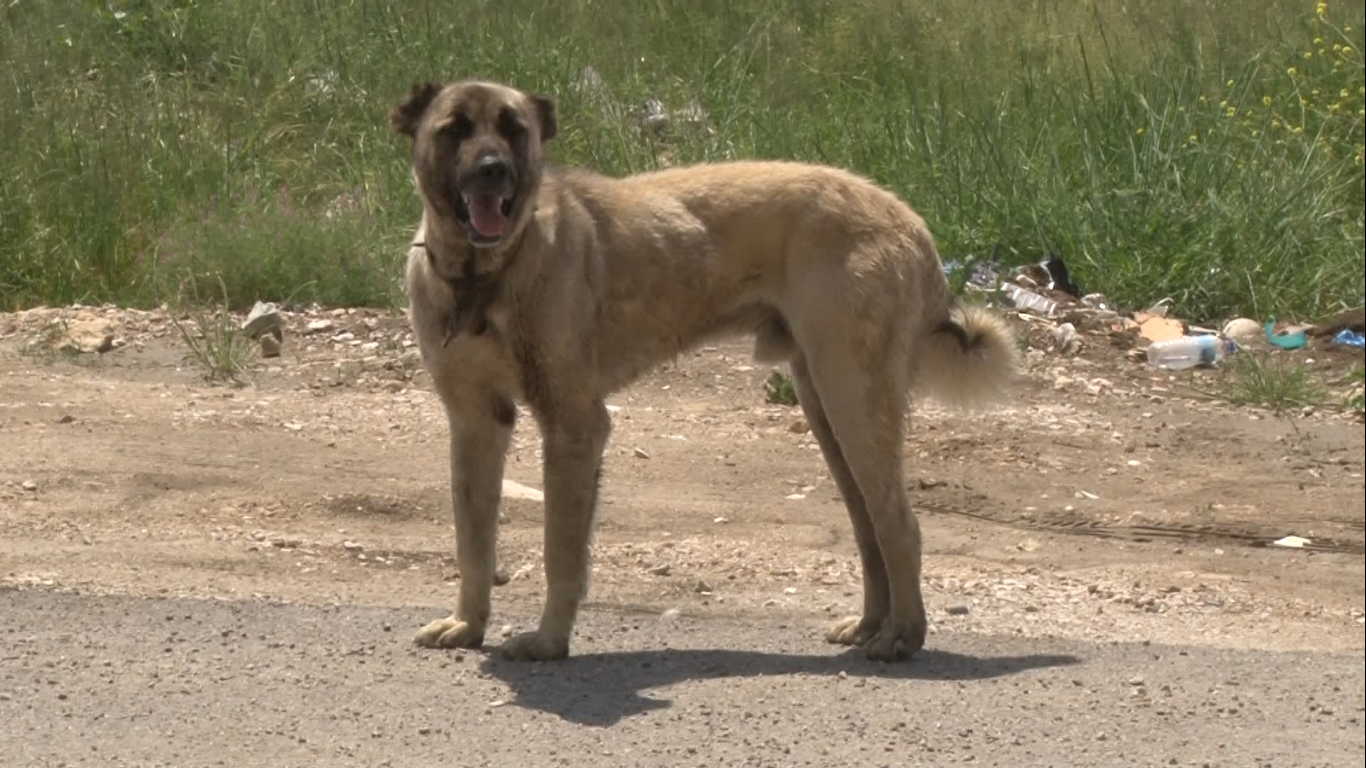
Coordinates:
x,y
107,681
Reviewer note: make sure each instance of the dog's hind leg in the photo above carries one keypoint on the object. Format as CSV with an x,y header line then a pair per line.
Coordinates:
x,y
855,630
862,390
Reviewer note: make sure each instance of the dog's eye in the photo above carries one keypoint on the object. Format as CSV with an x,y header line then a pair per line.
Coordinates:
x,y
510,126
460,128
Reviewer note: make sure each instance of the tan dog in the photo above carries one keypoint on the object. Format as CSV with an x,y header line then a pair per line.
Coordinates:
x,y
557,287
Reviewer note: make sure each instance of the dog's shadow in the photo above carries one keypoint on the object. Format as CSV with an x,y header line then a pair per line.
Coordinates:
x,y
601,689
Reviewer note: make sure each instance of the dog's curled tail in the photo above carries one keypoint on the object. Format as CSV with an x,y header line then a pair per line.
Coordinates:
x,y
970,358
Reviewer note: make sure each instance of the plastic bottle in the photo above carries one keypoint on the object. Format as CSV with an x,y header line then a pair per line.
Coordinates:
x,y
1189,351
1023,298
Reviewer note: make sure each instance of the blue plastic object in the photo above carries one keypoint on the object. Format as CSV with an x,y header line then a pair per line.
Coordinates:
x,y
1350,338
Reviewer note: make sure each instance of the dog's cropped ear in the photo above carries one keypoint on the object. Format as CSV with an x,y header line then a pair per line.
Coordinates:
x,y
406,116
545,110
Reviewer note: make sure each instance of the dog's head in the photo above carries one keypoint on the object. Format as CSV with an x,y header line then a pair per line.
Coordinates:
x,y
478,152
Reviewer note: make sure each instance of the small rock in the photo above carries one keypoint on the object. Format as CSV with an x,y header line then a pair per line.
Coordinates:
x,y
270,346
263,319
799,427
319,326
352,546
86,333
670,614
702,588
958,609
641,453
796,496
29,486
66,419
660,570
1136,681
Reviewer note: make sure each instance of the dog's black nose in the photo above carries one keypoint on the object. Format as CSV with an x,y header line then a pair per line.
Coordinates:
x,y
491,170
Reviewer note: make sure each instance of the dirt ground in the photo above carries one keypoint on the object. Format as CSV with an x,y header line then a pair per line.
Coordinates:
x,y
1107,503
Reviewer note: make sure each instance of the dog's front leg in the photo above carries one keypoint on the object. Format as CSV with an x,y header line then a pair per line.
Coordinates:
x,y
573,448
479,443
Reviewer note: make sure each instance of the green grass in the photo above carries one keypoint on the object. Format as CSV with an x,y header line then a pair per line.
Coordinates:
x,y
779,389
1268,381
1356,401
215,342
1207,151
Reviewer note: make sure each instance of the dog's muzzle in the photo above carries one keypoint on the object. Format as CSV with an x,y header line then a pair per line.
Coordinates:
x,y
485,199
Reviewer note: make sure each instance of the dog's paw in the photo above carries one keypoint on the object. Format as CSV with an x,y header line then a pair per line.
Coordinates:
x,y
535,646
450,632
896,642
855,630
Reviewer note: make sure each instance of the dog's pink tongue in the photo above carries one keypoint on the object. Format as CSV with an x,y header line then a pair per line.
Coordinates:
x,y
486,214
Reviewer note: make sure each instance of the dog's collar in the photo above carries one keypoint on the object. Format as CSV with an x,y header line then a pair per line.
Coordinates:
x,y
471,295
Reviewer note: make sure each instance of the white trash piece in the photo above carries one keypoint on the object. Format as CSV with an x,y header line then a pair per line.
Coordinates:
x,y
1190,351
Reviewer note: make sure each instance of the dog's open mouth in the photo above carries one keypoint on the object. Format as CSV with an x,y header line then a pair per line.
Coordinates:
x,y
488,215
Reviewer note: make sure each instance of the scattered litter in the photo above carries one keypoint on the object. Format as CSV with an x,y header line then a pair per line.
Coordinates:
x,y
1158,327
1293,542
1058,278
515,490
1025,299
1350,338
1064,336
1190,351
1287,339
1160,309
1243,329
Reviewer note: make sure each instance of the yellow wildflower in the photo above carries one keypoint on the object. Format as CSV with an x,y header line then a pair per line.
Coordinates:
x,y
1292,71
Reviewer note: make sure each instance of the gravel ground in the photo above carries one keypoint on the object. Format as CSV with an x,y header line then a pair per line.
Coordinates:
x,y
215,683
